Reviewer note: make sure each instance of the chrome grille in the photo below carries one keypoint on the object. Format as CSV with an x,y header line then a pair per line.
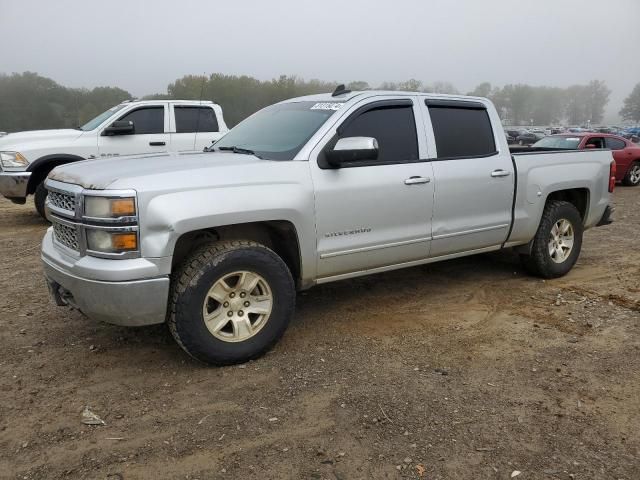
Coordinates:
x,y
66,235
62,200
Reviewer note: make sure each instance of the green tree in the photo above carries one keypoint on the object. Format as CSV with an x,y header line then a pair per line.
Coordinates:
x,y
29,101
597,97
482,90
631,107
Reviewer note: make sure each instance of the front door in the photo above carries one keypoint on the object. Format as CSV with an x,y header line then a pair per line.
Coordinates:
x,y
149,134
375,213
475,181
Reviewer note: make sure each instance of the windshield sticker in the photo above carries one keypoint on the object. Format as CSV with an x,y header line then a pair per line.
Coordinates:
x,y
327,106
572,139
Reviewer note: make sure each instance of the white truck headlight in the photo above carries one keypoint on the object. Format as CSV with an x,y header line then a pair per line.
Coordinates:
x,y
13,161
109,207
105,241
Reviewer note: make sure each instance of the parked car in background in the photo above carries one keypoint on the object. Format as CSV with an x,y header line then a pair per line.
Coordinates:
x,y
131,128
632,134
625,153
216,243
530,137
512,134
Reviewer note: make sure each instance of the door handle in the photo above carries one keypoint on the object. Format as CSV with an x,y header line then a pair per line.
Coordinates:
x,y
500,173
416,180
157,144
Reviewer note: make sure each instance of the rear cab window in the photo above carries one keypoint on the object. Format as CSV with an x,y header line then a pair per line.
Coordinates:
x,y
614,143
462,129
191,119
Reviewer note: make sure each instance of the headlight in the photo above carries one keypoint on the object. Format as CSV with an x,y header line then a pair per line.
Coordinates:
x,y
106,241
13,160
109,207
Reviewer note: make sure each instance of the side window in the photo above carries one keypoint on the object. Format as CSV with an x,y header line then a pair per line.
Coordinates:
x,y
462,132
394,127
146,120
597,142
195,119
614,143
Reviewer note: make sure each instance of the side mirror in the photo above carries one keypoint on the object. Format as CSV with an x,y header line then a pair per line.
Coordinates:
x,y
590,145
119,127
352,149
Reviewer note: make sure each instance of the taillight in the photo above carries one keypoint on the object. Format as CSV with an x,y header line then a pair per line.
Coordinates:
x,y
612,176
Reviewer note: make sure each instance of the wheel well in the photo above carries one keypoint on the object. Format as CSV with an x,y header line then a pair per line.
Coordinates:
x,y
41,172
579,197
278,235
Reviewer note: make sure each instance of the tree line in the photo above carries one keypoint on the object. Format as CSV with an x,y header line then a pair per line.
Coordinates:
x,y
29,101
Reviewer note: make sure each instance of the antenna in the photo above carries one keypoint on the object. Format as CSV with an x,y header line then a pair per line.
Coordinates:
x,y
340,90
195,137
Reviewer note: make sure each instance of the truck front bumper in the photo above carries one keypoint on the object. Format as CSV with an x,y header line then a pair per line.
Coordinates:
x,y
13,185
124,302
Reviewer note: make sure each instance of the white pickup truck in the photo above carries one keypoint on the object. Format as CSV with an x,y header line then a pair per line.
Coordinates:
x,y
310,190
131,128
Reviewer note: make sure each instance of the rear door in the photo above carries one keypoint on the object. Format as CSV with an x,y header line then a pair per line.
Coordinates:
x,y
193,127
474,177
150,124
621,154
375,213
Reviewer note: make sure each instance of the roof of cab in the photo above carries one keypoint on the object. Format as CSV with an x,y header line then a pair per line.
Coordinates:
x,y
188,102
344,97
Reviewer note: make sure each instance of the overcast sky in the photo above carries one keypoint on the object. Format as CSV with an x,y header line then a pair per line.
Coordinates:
x,y
141,46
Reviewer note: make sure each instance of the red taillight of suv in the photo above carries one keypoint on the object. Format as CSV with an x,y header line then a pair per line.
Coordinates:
x,y
612,176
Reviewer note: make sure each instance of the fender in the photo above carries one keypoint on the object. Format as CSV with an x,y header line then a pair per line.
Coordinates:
x,y
45,164
65,157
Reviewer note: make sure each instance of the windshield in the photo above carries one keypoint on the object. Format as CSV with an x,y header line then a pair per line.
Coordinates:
x,y
561,143
97,121
280,131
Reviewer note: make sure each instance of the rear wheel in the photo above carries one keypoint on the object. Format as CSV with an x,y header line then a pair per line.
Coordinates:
x,y
557,243
39,197
230,302
632,178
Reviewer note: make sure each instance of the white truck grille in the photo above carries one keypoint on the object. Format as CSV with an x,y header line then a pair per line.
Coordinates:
x,y
66,235
63,201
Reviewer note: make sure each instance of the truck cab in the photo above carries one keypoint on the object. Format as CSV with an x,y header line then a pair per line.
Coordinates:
x,y
130,128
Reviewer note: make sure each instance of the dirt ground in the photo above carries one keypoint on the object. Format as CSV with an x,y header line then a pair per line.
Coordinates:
x,y
467,369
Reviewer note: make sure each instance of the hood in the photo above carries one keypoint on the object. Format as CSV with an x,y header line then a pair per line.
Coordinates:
x,y
169,171
15,140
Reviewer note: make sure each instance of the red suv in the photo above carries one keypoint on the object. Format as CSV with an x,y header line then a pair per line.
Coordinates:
x,y
625,153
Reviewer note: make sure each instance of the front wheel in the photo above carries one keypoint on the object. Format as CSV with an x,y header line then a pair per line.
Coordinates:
x,y
39,197
632,178
557,243
230,302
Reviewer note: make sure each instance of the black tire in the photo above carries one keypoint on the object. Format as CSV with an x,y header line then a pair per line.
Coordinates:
x,y
632,178
39,197
540,262
190,287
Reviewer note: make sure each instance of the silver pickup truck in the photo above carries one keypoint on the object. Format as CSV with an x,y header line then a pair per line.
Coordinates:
x,y
308,191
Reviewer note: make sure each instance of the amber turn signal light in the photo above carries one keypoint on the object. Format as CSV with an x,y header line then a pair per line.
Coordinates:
x,y
124,241
123,207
